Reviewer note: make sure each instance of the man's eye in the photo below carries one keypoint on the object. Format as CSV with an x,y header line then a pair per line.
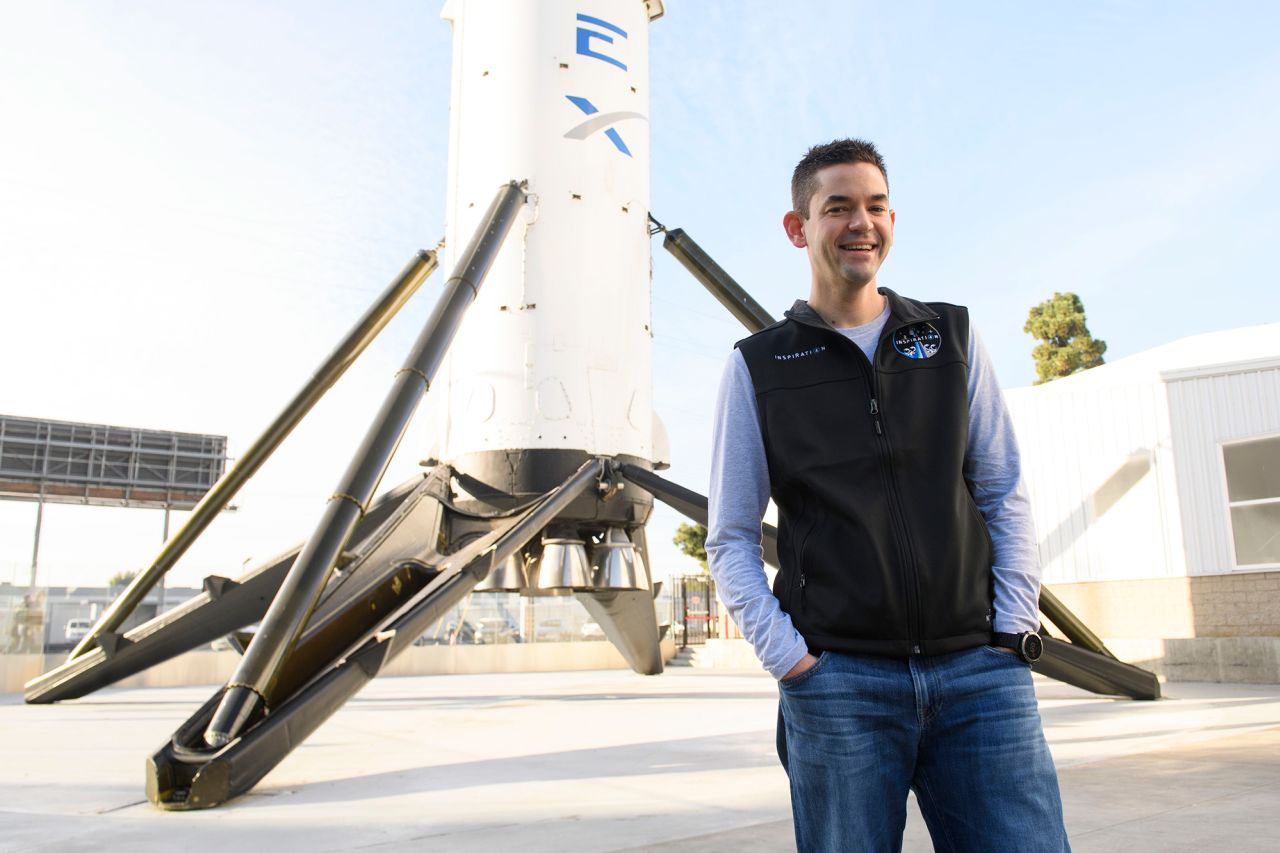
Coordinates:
x,y
877,209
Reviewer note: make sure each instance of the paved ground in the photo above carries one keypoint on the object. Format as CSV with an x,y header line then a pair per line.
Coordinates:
x,y
604,761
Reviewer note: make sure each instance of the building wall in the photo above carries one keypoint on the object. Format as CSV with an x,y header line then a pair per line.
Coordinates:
x,y
1242,604
1099,467
1204,412
1125,471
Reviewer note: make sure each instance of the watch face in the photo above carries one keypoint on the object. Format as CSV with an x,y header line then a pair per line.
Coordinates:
x,y
1032,647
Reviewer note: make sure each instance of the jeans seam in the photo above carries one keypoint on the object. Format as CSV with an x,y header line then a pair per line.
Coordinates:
x,y
942,822
934,709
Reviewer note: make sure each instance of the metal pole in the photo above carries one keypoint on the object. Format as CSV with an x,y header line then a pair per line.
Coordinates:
x,y
693,505
164,537
1074,629
728,292
215,500
298,595
35,548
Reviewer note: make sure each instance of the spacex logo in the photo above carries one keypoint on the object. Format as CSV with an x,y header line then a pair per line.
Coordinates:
x,y
596,29
600,121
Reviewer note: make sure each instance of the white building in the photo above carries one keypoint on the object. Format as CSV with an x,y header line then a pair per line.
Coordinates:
x,y
1155,483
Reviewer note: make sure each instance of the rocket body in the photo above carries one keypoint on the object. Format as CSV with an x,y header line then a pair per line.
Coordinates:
x,y
553,360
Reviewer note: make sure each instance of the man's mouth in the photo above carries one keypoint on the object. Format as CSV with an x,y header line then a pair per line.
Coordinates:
x,y
858,247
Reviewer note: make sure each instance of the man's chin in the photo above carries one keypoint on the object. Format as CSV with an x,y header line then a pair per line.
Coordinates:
x,y
856,279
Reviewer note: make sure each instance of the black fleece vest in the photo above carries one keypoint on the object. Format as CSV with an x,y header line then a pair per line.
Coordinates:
x,y
883,550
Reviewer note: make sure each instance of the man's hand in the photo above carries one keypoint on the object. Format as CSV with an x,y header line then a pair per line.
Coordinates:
x,y
806,663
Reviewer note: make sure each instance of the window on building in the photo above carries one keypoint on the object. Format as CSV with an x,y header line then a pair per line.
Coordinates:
x,y
1253,494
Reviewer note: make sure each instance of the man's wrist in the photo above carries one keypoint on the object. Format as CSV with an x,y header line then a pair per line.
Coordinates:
x,y
803,665
1026,645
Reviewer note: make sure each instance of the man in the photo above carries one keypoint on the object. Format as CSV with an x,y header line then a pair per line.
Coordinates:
x,y
901,624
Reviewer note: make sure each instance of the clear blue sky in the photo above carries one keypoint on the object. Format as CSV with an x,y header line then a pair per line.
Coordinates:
x,y
196,199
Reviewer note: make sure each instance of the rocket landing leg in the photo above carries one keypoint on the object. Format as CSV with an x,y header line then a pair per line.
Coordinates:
x,y
379,609
628,619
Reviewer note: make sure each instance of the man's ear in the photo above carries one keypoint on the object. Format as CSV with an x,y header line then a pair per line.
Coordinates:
x,y
793,224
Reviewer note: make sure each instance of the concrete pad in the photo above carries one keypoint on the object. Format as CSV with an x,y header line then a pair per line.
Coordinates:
x,y
603,760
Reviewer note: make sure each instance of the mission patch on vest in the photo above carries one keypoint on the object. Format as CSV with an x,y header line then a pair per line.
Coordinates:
x,y
921,340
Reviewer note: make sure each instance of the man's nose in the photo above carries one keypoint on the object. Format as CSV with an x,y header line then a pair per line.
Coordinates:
x,y
859,220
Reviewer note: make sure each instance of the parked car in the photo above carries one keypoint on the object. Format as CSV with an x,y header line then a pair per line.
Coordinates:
x,y
591,631
496,630
551,631
449,634
77,628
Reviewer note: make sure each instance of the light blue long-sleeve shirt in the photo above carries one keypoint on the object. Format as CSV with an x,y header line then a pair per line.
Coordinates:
x,y
739,495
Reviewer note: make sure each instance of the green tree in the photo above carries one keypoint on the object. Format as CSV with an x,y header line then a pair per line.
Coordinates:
x,y
692,540
1065,347
121,578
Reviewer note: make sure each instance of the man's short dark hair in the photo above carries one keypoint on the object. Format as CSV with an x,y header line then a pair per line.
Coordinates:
x,y
804,180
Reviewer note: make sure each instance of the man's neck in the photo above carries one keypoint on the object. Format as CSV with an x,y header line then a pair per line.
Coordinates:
x,y
845,308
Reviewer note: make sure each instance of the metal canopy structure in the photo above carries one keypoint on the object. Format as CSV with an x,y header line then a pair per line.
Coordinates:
x,y
46,461
78,463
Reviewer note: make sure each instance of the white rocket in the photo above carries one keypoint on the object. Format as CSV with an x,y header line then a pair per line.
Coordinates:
x,y
543,405
553,361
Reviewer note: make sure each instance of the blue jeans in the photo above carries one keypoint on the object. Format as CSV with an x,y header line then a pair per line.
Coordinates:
x,y
961,730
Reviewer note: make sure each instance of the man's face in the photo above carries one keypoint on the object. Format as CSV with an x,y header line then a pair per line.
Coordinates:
x,y
849,228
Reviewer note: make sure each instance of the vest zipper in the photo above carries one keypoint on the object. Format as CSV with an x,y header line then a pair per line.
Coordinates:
x,y
804,546
799,556
915,618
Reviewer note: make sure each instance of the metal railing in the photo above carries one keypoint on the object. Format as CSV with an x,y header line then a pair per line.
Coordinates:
x,y
695,612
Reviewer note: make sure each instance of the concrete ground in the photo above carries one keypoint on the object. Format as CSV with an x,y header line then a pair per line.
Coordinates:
x,y
604,761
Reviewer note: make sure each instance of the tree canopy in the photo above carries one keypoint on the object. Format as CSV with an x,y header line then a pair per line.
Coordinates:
x,y
692,540
1065,347
121,578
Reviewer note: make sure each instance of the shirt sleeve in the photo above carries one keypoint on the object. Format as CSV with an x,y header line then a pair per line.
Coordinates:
x,y
993,469
738,497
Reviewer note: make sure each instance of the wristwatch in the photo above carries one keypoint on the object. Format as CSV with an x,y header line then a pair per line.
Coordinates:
x,y
1028,644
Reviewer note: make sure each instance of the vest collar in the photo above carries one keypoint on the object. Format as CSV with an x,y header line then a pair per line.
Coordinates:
x,y
902,312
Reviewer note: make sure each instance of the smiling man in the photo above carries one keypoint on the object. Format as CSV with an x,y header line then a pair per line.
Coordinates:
x,y
902,623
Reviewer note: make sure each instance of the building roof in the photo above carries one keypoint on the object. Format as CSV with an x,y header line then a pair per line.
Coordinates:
x,y
1211,353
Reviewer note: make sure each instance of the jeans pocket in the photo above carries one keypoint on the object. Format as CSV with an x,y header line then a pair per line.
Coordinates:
x,y
804,676
1010,656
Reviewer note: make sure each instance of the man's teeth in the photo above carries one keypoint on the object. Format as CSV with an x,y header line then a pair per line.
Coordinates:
x,y
860,246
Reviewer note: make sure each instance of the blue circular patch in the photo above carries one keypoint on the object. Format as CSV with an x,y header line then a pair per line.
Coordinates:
x,y
921,340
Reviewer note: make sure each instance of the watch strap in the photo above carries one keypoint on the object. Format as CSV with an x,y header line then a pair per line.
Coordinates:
x,y
1020,644
1007,641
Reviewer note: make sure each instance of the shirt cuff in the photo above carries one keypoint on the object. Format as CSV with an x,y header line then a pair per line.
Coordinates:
x,y
789,662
